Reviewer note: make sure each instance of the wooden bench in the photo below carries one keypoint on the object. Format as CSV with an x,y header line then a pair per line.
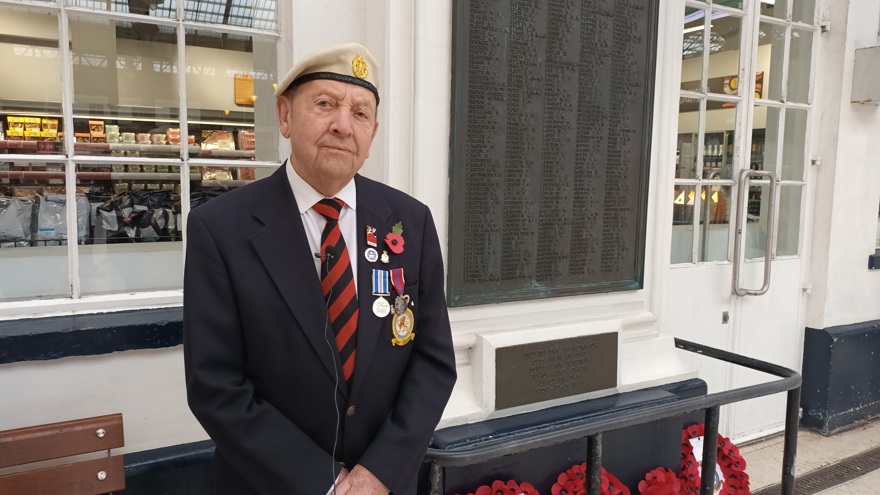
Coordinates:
x,y
24,446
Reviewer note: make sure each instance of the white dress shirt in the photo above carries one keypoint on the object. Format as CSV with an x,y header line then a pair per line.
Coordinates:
x,y
313,223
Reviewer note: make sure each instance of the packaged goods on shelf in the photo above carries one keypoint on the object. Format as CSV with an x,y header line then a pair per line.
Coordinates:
x,y
15,123
96,127
32,124
15,220
158,138
49,124
117,167
150,169
51,216
15,135
82,137
32,135
246,140
142,138
246,173
216,173
217,140
173,135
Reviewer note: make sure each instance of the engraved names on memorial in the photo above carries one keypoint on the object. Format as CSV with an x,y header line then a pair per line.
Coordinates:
x,y
551,122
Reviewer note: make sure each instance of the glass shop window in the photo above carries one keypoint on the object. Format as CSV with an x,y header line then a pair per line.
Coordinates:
x,y
111,131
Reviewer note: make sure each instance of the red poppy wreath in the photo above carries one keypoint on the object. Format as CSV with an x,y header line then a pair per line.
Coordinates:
x,y
730,474
660,481
574,480
511,487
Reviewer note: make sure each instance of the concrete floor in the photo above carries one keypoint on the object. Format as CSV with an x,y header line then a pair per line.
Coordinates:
x,y
814,451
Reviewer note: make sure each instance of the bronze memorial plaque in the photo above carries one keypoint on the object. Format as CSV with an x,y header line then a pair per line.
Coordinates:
x,y
549,148
541,371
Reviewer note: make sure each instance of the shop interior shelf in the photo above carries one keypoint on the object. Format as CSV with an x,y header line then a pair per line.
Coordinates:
x,y
101,148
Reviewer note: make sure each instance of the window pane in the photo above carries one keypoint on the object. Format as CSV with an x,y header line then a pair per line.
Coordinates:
x,y
688,127
794,144
714,222
800,56
692,49
230,95
724,46
164,9
30,85
765,138
775,8
259,14
729,3
803,11
34,230
125,96
771,46
789,220
718,140
682,224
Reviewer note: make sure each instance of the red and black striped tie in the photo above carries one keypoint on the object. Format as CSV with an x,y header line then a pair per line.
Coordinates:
x,y
337,282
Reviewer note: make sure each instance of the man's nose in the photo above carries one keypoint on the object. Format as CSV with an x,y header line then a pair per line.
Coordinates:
x,y
341,123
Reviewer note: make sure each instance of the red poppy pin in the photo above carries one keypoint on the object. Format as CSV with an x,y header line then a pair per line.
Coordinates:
x,y
394,239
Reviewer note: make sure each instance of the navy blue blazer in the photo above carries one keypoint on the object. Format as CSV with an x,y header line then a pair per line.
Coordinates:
x,y
260,361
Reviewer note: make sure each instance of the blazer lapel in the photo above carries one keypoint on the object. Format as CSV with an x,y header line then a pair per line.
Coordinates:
x,y
372,210
283,248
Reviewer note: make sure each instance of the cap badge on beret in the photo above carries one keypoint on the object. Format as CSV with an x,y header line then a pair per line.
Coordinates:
x,y
359,67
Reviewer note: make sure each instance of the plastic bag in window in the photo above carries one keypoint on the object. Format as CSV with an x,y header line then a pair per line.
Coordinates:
x,y
15,220
114,211
51,223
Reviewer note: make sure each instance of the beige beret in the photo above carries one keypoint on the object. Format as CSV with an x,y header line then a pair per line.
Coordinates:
x,y
350,63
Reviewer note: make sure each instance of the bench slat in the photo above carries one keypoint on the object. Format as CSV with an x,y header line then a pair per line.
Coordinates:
x,y
78,478
62,439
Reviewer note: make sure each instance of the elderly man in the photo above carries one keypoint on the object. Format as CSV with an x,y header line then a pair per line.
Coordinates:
x,y
316,339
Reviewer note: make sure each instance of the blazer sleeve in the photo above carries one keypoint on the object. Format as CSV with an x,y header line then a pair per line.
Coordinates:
x,y
400,444
268,451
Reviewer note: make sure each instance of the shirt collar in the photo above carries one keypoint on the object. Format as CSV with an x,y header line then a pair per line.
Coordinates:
x,y
306,195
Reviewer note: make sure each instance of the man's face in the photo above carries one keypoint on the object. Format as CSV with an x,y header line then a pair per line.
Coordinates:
x,y
330,125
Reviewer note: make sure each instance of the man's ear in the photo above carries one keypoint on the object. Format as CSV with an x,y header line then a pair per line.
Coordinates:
x,y
283,106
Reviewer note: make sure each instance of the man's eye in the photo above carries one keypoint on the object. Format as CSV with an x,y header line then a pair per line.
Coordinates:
x,y
324,103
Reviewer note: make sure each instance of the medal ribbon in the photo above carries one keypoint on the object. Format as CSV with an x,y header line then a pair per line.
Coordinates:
x,y
397,280
380,283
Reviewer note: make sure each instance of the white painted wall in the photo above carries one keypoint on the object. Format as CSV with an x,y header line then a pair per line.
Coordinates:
x,y
847,184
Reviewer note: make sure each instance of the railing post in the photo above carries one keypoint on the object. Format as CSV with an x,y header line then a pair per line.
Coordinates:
x,y
594,463
435,479
789,448
710,451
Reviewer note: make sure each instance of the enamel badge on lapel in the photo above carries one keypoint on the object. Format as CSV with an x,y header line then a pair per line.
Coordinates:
x,y
385,258
403,323
371,254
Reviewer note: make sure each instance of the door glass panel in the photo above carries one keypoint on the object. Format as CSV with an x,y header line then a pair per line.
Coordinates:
x,y
765,138
718,140
164,9
692,49
789,220
714,222
30,83
757,214
683,199
688,127
775,8
794,144
771,46
724,45
230,97
125,91
801,51
803,11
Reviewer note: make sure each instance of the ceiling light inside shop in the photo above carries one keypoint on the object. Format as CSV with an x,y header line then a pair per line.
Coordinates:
x,y
695,28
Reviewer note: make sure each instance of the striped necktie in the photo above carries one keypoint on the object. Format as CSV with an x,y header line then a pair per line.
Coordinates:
x,y
337,283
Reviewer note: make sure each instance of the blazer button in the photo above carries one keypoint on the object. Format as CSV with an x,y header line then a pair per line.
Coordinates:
x,y
350,411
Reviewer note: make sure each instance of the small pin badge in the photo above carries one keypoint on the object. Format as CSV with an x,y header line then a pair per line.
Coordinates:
x,y
371,236
371,255
385,258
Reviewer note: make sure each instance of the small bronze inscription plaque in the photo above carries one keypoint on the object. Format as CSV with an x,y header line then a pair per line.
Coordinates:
x,y
539,371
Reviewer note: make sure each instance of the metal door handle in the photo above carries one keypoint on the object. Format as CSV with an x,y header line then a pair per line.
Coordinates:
x,y
741,213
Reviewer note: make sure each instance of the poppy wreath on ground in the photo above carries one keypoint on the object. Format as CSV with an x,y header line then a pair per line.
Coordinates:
x,y
730,462
660,481
574,482
511,487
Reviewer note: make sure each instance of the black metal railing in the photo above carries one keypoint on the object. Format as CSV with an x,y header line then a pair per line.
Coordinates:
x,y
593,428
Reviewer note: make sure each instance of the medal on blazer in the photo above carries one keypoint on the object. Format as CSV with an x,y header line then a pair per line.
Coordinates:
x,y
403,323
381,308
